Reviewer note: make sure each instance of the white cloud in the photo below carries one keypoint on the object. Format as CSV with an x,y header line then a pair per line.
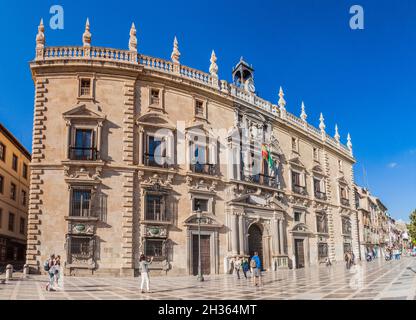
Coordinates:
x,y
392,165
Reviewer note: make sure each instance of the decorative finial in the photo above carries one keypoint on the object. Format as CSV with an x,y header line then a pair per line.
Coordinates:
x,y
336,133
40,37
349,143
213,68
321,123
133,38
175,52
303,114
40,40
86,37
282,102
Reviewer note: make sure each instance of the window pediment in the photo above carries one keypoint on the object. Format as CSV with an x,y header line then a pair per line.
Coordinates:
x,y
87,111
295,162
155,119
317,169
206,220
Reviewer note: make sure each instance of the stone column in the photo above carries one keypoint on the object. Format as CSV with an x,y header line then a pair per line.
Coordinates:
x,y
242,233
234,234
68,139
141,142
281,238
99,133
275,236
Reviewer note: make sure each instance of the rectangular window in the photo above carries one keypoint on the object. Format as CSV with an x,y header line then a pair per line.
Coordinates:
x,y
1,218
156,152
317,185
1,184
85,87
340,166
24,198
322,251
346,226
315,154
15,162
298,216
155,208
13,191
81,203
321,223
199,108
154,96
84,145
202,204
24,171
154,248
296,179
294,144
81,247
11,221
22,226
2,152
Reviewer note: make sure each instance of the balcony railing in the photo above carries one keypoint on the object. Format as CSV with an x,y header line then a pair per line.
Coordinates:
x,y
320,195
262,179
299,189
157,216
152,160
345,202
209,169
79,153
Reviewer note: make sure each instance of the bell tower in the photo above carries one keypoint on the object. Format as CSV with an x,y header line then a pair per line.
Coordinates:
x,y
243,76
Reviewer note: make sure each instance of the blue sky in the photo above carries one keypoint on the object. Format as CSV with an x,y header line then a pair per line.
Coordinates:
x,y
364,80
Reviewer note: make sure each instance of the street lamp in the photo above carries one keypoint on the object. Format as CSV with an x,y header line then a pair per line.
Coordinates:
x,y
199,216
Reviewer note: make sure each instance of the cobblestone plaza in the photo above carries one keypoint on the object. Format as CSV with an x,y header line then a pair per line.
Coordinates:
x,y
379,280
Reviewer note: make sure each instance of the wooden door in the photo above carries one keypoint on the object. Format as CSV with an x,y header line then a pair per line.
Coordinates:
x,y
299,253
205,254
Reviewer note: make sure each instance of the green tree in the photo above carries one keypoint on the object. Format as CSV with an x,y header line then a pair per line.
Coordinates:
x,y
412,226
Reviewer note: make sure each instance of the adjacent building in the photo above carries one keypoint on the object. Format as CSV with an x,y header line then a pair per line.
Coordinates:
x,y
14,199
131,154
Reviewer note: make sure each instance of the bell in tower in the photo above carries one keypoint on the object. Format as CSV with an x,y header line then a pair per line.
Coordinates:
x,y
243,76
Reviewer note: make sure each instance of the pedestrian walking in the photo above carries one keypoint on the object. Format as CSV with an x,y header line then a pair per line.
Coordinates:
x,y
328,262
57,271
347,258
255,265
237,266
48,266
245,266
144,271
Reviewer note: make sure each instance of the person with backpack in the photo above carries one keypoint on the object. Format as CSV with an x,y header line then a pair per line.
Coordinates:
x,y
144,271
245,266
48,266
255,266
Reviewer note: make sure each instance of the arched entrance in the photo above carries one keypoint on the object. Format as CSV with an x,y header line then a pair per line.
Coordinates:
x,y
255,242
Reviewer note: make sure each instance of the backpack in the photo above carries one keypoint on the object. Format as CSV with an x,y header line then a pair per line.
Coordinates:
x,y
46,265
253,263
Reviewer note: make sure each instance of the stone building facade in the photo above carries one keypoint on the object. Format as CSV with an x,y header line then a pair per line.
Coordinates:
x,y
14,199
132,153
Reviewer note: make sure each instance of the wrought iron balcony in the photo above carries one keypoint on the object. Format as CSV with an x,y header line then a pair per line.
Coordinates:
x,y
299,189
320,195
86,154
262,179
204,168
152,160
345,202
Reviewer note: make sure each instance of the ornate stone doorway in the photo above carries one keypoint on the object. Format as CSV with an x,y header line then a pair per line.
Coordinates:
x,y
255,242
